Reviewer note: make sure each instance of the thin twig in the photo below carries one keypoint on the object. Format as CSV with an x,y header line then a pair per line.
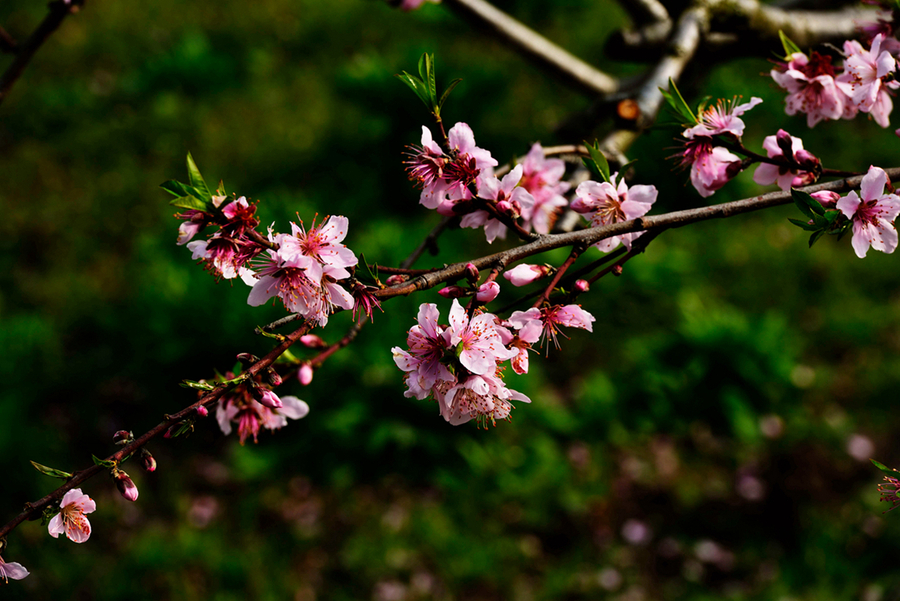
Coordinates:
x,y
7,43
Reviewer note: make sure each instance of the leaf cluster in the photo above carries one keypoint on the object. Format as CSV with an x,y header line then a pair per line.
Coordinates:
x,y
425,85
194,195
820,221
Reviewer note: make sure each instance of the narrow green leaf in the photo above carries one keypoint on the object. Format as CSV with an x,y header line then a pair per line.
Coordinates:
x,y
417,86
103,462
220,189
678,102
809,227
196,385
789,46
176,188
52,472
431,81
815,236
888,471
446,93
806,203
624,168
196,179
189,202
597,162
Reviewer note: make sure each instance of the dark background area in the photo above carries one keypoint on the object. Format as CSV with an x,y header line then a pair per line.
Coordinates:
x,y
709,440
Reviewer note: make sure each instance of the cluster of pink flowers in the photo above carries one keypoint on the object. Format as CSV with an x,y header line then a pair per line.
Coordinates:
x,y
461,181
872,214
790,172
822,91
227,252
253,405
610,202
460,364
303,270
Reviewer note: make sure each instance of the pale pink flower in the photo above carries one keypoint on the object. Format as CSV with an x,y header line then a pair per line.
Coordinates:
x,y
524,274
541,178
711,167
70,519
321,244
872,215
534,322
487,292
785,177
811,87
722,118
12,570
484,398
865,71
427,342
609,202
250,416
478,342
505,193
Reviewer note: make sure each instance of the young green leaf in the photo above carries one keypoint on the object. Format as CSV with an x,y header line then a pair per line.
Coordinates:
x,y
446,93
196,179
52,472
888,471
789,46
806,203
196,385
103,462
189,202
809,227
676,101
417,86
815,236
176,188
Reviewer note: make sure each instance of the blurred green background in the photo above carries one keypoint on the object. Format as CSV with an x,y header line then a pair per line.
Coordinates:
x,y
708,441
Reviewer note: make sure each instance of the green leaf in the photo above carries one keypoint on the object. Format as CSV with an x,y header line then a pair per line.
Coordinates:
x,y
808,205
789,46
676,101
815,237
52,472
446,93
809,227
417,86
103,462
597,162
624,168
196,179
176,188
220,190
196,385
430,81
888,471
189,202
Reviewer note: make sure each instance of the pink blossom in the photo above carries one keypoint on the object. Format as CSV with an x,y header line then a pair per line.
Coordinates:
x,y
427,342
865,71
126,486
613,203
487,292
250,416
811,87
546,322
70,518
524,274
321,244
722,118
517,199
786,178
480,397
541,178
268,398
227,252
478,342
12,570
711,167
408,5
872,215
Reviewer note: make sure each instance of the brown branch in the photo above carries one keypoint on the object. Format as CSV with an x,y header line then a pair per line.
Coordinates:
x,y
7,43
34,509
592,235
534,46
58,11
548,290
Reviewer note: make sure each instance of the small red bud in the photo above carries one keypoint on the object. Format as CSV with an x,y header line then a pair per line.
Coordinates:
x,y
397,278
453,292
247,358
312,341
123,437
202,411
471,272
274,378
148,462
582,285
617,270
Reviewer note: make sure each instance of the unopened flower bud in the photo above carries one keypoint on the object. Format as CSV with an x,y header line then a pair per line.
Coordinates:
x,y
826,197
453,292
305,374
524,274
312,341
266,397
487,292
515,210
125,485
273,377
148,462
202,411
123,437
582,285
397,278
807,159
617,270
783,139
733,168
471,273
248,358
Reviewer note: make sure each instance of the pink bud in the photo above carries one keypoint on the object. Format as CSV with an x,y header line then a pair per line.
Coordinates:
x,y
312,341
273,377
487,292
247,358
397,278
202,411
471,272
453,292
617,270
305,374
783,139
582,285
504,206
269,399
148,462
806,159
524,274
826,197
126,485
123,437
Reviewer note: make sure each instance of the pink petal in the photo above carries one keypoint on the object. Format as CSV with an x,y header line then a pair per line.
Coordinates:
x,y
873,183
